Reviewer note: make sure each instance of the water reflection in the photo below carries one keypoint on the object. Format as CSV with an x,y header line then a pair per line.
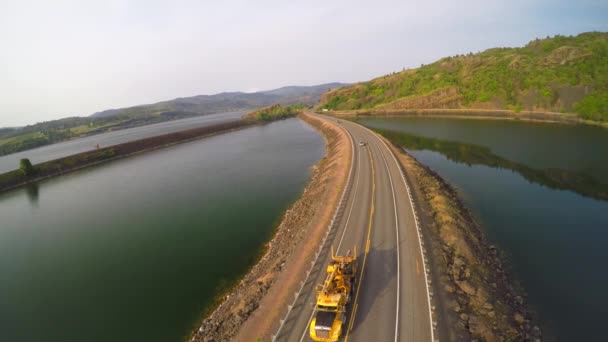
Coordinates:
x,y
32,191
470,154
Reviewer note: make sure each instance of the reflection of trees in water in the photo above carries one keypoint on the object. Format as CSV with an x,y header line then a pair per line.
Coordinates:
x,y
579,182
33,192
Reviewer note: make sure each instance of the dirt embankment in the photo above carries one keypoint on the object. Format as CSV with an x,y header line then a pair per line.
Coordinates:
x,y
14,179
476,298
253,308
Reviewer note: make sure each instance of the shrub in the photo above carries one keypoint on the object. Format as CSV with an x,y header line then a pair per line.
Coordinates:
x,y
26,168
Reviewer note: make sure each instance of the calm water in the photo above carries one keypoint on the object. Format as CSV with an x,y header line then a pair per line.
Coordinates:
x,y
539,190
45,153
134,250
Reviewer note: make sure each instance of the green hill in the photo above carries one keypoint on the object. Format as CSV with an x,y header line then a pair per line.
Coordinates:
x,y
558,74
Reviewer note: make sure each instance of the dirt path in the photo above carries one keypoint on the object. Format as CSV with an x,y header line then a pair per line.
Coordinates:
x,y
254,307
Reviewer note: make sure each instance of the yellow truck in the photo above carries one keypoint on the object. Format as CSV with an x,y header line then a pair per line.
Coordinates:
x,y
333,296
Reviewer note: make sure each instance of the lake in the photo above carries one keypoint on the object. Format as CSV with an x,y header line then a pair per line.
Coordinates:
x,y
540,192
136,249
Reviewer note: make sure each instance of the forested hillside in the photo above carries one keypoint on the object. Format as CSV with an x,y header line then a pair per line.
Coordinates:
x,y
557,74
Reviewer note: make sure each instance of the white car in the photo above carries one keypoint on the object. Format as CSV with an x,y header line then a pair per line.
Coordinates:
x,y
362,143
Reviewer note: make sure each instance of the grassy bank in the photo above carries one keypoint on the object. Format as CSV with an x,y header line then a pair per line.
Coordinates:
x,y
60,166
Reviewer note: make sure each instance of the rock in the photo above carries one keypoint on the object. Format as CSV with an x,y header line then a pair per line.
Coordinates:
x,y
464,317
453,304
519,300
463,300
467,288
491,314
478,328
519,318
458,261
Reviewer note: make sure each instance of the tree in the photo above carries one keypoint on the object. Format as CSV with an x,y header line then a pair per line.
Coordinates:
x,y
26,168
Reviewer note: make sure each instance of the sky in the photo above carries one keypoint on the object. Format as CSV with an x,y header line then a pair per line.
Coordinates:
x,y
65,58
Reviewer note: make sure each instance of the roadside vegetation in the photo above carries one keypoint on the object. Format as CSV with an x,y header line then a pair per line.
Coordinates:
x,y
557,74
274,112
19,139
26,168
27,173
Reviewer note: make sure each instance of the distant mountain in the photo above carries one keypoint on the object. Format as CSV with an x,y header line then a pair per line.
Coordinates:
x,y
558,74
18,139
307,94
224,102
6,131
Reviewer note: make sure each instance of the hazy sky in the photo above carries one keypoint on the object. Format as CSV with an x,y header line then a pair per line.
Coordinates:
x,y
63,58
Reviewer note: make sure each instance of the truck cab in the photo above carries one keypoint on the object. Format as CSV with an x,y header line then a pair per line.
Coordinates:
x,y
332,299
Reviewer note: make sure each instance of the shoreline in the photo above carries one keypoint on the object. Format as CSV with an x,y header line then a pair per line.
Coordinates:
x,y
14,179
252,308
481,114
478,298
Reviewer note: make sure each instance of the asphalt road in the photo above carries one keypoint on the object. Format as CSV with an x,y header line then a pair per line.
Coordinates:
x,y
390,301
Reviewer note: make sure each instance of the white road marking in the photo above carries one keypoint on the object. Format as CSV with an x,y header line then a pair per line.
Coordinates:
x,y
426,281
390,178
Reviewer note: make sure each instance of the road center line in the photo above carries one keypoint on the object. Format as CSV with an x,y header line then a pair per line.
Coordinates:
x,y
369,232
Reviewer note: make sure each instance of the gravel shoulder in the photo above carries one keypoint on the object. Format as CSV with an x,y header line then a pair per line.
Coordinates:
x,y
253,308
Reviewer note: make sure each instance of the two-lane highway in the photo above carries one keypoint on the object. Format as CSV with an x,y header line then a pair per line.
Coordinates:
x,y
390,301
